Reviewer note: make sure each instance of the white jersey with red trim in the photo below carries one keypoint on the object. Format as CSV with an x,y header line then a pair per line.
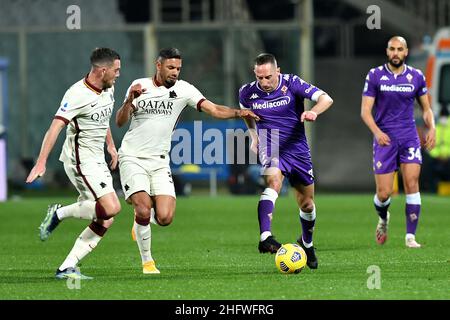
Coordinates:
x,y
86,110
157,114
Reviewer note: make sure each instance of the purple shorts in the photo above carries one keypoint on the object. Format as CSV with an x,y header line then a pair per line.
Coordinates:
x,y
387,159
297,169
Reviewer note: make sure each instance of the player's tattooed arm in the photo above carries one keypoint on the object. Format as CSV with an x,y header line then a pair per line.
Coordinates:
x,y
127,108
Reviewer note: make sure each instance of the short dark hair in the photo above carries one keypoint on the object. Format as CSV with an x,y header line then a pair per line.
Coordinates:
x,y
264,58
103,56
169,53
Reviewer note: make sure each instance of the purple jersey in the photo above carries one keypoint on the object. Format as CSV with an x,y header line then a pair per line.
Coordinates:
x,y
394,99
280,110
280,127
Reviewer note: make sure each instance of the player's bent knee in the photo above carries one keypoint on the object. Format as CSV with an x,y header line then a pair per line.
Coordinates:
x,y
307,206
384,194
165,221
164,218
112,209
107,207
117,207
101,212
142,211
275,185
411,187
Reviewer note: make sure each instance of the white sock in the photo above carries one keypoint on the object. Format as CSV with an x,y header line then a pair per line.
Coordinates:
x,y
144,241
269,194
152,217
80,210
265,235
86,242
307,245
308,216
379,203
414,198
410,236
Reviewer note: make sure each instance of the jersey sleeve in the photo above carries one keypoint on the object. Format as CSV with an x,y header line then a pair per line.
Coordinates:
x,y
370,87
305,90
112,91
422,88
71,105
194,97
242,101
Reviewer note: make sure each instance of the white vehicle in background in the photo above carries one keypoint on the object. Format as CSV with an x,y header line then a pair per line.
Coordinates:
x,y
438,71
3,124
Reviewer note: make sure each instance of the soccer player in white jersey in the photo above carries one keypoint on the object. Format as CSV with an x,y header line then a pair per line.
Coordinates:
x,y
154,106
85,109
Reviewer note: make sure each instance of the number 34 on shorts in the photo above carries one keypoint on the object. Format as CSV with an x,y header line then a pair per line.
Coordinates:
x,y
414,153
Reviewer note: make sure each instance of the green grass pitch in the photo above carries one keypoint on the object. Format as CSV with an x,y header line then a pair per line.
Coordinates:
x,y
210,252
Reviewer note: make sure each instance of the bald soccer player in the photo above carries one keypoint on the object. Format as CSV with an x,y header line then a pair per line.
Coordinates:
x,y
390,91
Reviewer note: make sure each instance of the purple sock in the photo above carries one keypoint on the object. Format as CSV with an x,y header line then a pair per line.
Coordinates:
x,y
412,217
265,207
307,229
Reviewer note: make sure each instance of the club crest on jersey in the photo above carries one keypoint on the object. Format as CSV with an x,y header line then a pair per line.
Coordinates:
x,y
172,94
64,107
284,89
409,77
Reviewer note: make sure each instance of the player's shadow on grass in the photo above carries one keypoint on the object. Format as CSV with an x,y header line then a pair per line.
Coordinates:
x,y
19,279
343,248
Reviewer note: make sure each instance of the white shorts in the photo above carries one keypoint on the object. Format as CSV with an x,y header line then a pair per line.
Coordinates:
x,y
152,175
92,180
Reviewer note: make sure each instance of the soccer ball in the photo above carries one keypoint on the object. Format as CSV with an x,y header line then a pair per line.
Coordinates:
x,y
290,258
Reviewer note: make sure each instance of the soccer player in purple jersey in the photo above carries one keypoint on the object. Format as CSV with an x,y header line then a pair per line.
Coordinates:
x,y
391,90
280,141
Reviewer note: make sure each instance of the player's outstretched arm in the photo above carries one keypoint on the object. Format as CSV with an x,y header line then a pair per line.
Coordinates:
x,y
366,114
223,112
47,145
127,108
428,118
323,104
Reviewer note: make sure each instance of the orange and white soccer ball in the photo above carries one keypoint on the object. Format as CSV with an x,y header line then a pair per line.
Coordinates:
x,y
290,258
